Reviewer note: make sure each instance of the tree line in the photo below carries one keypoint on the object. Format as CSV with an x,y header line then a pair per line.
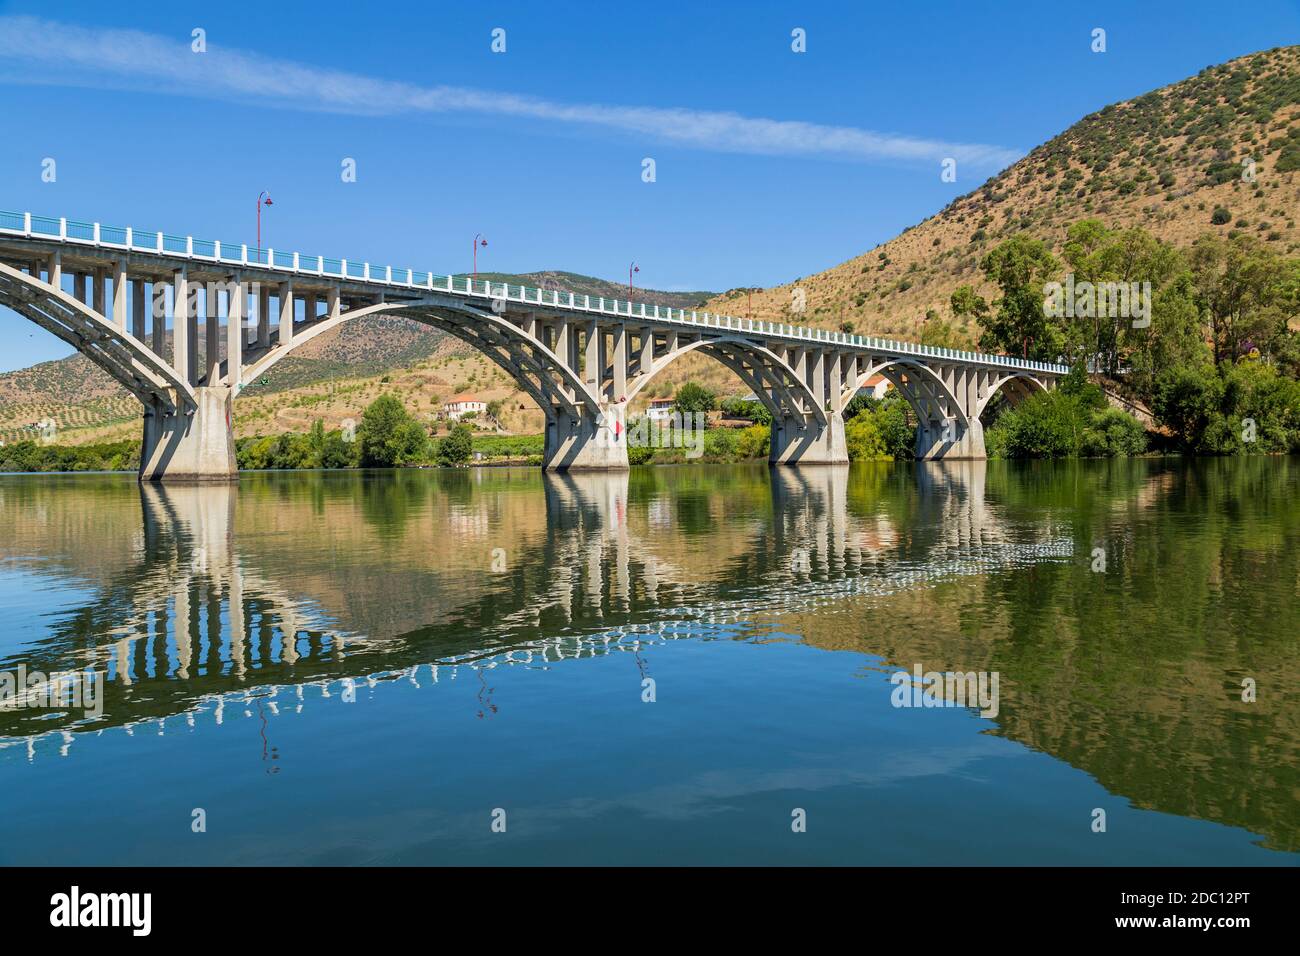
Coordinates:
x,y
1207,344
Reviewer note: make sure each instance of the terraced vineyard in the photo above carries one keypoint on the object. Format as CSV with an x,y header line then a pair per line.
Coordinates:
x,y
72,423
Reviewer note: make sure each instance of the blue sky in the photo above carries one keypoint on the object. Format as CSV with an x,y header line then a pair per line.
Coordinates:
x,y
770,165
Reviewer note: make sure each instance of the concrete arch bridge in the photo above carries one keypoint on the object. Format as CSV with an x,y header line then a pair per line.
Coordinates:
x,y
130,300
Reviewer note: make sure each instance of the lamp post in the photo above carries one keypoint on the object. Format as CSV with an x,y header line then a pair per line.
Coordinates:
x,y
260,203
632,267
479,240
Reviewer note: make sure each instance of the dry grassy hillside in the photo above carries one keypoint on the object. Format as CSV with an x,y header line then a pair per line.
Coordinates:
x,y
1163,161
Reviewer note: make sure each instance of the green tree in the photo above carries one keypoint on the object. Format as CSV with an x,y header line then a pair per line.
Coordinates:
x,y
1239,283
457,447
389,436
693,397
338,453
1185,401
316,442
1127,259
1020,267
941,334
966,303
1173,340
754,442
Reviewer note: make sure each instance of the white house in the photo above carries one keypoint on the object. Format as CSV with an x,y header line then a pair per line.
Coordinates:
x,y
659,409
463,404
875,387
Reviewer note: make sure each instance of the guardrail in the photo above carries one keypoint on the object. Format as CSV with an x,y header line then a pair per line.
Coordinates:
x,y
160,243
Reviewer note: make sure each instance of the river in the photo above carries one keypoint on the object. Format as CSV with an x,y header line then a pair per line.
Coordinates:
x,y
693,664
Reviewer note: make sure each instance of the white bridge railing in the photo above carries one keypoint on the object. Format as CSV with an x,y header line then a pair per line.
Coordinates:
x,y
231,253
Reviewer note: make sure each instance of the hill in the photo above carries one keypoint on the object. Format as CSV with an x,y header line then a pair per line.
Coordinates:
x,y
1165,160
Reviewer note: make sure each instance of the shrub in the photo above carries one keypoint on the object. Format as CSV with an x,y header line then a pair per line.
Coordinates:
x,y
28,455
863,439
755,411
1071,422
720,443
1113,434
754,442
456,448
639,454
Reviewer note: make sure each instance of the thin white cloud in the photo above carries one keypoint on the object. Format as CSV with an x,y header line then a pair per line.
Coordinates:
x,y
33,50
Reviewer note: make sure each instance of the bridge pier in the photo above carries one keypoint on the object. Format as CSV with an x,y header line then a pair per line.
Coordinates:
x,y
808,442
190,444
586,443
953,439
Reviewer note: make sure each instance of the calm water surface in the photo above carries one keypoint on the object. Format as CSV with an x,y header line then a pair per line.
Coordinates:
x,y
362,668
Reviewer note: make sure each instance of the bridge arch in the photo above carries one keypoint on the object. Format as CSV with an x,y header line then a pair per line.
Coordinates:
x,y
1017,386
922,388
530,363
142,373
757,366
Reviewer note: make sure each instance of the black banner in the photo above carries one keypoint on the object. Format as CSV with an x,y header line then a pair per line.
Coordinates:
x,y
236,905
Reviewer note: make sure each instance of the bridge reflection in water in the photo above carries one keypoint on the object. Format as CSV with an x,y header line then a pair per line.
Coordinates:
x,y
193,625
212,603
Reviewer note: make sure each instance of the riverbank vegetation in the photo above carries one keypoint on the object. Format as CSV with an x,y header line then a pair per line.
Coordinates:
x,y
1072,421
31,455
1206,342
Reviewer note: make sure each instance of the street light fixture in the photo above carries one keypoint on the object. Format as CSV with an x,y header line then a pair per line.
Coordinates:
x,y
479,240
260,203
632,267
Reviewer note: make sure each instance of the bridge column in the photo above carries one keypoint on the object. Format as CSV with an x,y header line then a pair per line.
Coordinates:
x,y
190,444
158,321
619,363
960,436
119,294
212,334
591,360
237,297
180,325
811,444
137,308
565,340
286,314
263,315
646,360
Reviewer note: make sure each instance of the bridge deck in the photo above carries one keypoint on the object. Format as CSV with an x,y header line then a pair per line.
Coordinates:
x,y
23,234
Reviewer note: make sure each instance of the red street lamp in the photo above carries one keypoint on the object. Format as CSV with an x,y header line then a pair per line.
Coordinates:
x,y
479,240
260,203
632,267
